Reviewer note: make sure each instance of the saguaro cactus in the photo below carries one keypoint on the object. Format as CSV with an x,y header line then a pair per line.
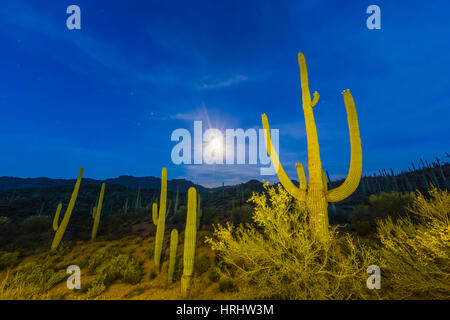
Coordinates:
x,y
316,196
190,237
173,253
62,227
161,220
97,211
155,214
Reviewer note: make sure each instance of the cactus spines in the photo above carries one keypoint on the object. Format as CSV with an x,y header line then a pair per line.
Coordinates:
x,y
190,237
65,221
173,253
161,220
56,218
97,211
155,213
315,196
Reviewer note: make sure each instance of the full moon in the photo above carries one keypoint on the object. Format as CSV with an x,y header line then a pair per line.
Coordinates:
x,y
216,145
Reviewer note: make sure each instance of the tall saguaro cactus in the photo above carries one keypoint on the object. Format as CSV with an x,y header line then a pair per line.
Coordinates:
x,y
190,237
61,228
315,194
97,212
161,219
173,253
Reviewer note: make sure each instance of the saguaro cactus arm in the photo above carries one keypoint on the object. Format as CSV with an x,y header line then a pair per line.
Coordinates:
x,y
56,218
284,179
316,99
354,174
301,177
155,213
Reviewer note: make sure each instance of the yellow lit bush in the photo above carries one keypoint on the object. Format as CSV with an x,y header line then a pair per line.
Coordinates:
x,y
280,259
416,249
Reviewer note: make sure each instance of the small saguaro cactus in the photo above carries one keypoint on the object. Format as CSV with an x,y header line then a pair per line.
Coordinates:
x,y
190,237
61,228
161,220
316,196
96,212
173,253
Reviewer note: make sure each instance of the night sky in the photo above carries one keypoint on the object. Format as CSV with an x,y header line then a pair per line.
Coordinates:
x,y
107,97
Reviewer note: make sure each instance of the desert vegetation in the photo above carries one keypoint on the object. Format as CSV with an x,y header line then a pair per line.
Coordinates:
x,y
313,239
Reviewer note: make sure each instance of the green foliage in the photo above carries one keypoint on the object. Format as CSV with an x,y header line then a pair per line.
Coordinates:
x,y
202,263
416,249
150,251
279,259
4,222
36,224
364,216
8,259
109,265
214,275
226,285
242,214
362,227
35,274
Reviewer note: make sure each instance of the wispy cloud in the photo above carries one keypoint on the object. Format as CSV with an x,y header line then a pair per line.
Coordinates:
x,y
224,83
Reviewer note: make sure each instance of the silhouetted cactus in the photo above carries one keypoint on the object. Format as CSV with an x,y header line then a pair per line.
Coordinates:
x,y
314,196
190,237
65,221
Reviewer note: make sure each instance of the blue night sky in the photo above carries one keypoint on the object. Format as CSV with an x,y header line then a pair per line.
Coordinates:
x,y
108,96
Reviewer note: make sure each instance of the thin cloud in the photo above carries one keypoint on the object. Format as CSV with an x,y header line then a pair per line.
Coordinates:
x,y
225,83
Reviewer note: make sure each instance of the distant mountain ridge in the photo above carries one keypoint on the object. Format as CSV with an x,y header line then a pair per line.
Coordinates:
x,y
11,183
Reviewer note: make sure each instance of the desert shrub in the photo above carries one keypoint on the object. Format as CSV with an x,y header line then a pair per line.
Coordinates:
x,y
364,216
208,216
5,223
35,275
337,216
135,291
362,227
6,230
8,259
178,271
100,257
202,263
226,285
36,224
96,288
150,251
416,249
110,265
280,259
214,275
242,214
392,205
